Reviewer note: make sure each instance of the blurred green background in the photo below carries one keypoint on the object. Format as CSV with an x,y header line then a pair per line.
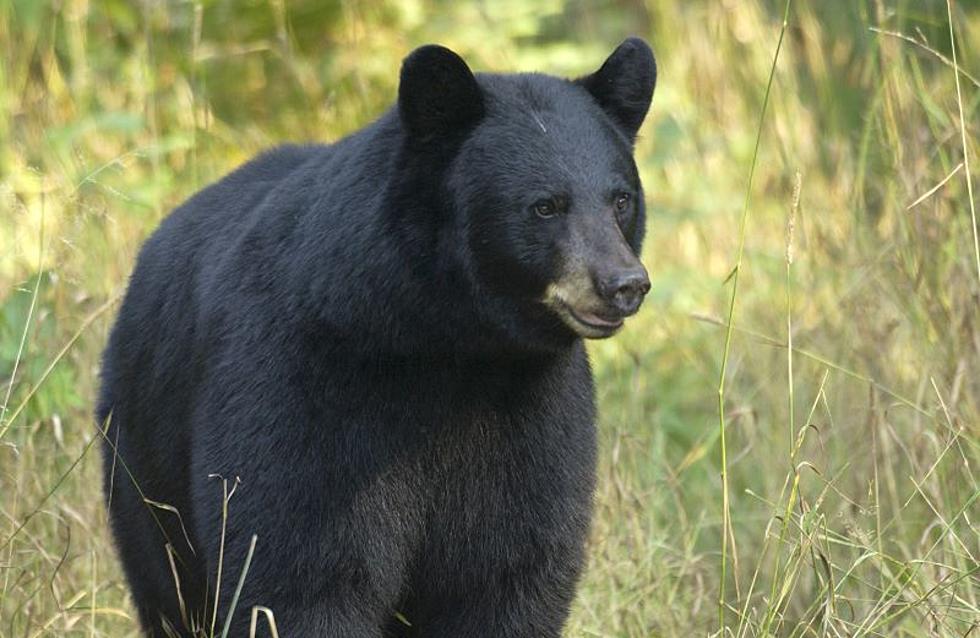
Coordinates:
x,y
853,456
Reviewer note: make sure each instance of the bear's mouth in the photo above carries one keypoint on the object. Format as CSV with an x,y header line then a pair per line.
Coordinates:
x,y
589,323
583,318
596,321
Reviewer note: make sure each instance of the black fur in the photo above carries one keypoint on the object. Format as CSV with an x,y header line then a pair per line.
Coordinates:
x,y
624,84
357,332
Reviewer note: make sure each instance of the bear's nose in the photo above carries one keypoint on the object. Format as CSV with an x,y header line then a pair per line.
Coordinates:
x,y
625,289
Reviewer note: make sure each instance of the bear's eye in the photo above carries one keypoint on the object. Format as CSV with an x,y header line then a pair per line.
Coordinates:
x,y
544,208
622,202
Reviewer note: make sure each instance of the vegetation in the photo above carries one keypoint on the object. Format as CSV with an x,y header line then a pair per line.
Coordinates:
x,y
850,359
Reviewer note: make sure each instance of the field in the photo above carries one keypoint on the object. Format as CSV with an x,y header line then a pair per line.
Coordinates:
x,y
790,428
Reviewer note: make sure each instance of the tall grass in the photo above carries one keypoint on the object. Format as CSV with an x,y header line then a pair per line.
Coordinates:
x,y
843,499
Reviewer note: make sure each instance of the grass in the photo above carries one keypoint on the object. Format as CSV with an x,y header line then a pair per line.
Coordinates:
x,y
830,490
722,424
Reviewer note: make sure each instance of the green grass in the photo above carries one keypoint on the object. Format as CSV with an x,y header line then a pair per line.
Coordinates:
x,y
848,354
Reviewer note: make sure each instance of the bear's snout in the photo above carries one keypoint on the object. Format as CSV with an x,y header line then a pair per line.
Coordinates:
x,y
624,289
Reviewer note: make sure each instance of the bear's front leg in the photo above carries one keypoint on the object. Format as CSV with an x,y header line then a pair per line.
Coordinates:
x,y
505,539
504,573
328,505
533,604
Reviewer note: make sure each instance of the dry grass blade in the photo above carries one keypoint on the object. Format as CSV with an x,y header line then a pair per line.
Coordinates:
x,y
180,519
924,46
270,619
27,326
98,312
47,496
727,532
238,588
929,193
966,147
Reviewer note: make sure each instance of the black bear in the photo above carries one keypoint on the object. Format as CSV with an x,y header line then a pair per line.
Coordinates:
x,y
381,338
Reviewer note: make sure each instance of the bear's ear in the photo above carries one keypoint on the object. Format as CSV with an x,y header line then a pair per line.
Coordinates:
x,y
437,94
623,85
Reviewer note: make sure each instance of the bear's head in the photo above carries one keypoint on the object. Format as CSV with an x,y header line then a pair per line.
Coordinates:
x,y
538,182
